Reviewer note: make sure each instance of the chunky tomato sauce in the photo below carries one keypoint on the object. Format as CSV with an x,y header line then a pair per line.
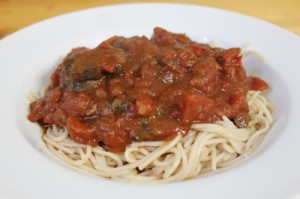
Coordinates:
x,y
140,89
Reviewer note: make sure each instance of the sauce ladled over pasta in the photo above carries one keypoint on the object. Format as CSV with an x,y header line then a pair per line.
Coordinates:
x,y
144,89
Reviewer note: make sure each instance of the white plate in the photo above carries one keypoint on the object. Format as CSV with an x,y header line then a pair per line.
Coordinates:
x,y
27,57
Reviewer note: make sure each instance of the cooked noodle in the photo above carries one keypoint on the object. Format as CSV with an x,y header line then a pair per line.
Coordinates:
x,y
206,148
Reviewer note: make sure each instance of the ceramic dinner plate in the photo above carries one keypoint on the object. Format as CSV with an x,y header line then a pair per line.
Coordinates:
x,y
29,56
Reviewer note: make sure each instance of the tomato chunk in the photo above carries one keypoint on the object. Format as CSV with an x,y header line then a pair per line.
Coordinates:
x,y
258,84
145,105
116,139
238,102
81,132
193,104
77,104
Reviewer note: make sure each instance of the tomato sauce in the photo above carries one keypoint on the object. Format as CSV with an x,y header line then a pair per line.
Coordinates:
x,y
144,89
